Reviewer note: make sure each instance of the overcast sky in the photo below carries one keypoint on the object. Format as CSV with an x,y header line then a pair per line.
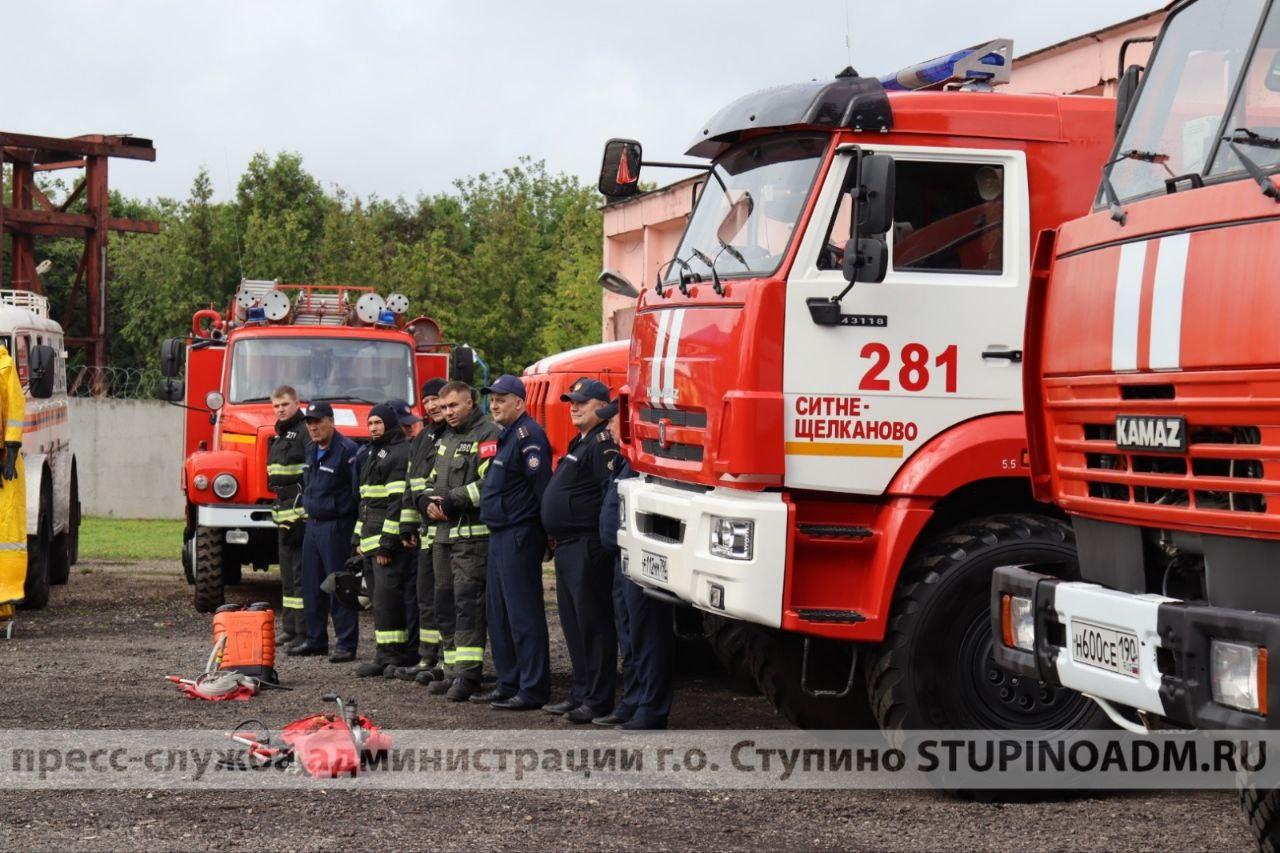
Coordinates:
x,y
395,97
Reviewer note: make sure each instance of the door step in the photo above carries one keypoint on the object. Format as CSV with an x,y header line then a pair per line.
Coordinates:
x,y
819,614
836,531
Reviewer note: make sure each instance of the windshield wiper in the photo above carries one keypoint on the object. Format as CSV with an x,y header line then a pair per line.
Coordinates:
x,y
255,400
1108,189
711,265
733,253
684,283
342,398
1245,136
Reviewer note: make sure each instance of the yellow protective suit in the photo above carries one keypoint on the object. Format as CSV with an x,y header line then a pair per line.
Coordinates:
x,y
13,493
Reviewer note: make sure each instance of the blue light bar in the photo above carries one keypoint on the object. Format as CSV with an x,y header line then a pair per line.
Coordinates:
x,y
987,63
386,317
256,314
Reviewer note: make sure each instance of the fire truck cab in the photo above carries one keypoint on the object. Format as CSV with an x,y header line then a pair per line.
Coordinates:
x,y
1154,398
824,389
344,345
52,485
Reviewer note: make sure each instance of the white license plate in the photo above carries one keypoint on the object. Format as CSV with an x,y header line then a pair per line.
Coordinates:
x,y
653,566
1105,648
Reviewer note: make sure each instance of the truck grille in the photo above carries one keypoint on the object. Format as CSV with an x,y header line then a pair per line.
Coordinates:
x,y
535,390
679,423
1230,469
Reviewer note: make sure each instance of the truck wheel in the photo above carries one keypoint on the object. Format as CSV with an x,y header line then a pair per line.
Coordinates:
x,y
1261,808
65,543
207,568
935,669
189,554
35,591
729,641
776,660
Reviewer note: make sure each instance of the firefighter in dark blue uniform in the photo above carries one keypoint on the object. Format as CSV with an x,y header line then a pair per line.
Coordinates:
x,y
584,568
644,623
510,505
329,498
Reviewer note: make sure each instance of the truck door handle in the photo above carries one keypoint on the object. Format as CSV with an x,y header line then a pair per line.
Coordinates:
x,y
1013,355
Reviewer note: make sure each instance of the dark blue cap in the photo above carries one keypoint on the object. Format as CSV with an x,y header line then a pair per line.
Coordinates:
x,y
316,411
505,384
608,410
586,389
403,411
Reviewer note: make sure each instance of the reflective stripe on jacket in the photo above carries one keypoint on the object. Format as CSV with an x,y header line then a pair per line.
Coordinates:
x,y
461,462
286,459
382,488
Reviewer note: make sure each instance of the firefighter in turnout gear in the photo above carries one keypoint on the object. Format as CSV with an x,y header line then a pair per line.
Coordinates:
x,y
13,487
422,457
286,459
377,537
461,539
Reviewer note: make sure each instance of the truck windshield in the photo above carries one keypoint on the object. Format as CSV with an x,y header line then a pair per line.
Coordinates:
x,y
321,368
749,221
1174,125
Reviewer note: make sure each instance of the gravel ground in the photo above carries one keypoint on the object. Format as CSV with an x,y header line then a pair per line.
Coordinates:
x,y
95,659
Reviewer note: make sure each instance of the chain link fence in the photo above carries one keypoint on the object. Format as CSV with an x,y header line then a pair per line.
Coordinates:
x,y
115,383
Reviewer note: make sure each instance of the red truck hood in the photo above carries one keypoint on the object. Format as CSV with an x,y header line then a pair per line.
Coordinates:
x,y
705,375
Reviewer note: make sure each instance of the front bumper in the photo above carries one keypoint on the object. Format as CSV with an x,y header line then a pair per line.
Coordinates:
x,y
232,515
750,590
1173,647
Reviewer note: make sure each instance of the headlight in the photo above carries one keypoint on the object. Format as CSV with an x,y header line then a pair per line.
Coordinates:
x,y
622,513
213,400
1238,675
224,486
1017,622
733,538
200,481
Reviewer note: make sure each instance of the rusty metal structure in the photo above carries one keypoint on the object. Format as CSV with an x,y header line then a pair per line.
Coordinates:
x,y
31,214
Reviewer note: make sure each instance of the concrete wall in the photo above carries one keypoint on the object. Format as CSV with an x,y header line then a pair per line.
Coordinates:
x,y
128,455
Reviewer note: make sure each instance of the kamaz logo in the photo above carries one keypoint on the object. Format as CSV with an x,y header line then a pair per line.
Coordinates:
x,y
1135,432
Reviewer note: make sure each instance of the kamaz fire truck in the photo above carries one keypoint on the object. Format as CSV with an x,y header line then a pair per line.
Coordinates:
x,y
52,486
344,345
825,387
1153,400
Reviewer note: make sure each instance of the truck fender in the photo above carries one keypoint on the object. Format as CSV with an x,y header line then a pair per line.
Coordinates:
x,y
978,449
37,469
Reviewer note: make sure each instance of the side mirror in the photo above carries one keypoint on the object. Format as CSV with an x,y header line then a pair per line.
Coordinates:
x,y
42,365
464,363
172,351
616,282
620,169
1125,90
876,173
866,260
171,390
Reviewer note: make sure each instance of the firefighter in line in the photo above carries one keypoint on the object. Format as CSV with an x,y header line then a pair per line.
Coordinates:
x,y
510,504
643,622
584,568
462,541
286,458
13,492
411,426
329,500
415,532
377,539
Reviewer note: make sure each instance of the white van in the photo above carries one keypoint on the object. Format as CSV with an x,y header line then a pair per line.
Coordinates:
x,y
53,494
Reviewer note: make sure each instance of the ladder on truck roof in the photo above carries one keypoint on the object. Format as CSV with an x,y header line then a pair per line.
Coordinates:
x,y
33,302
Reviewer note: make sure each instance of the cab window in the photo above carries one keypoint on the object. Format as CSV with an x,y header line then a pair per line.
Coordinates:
x,y
947,218
21,357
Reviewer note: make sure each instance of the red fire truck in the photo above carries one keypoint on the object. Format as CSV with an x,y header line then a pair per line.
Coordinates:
x,y
825,388
547,379
1152,397
345,345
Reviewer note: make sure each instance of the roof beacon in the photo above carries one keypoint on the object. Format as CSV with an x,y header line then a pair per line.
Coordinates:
x,y
977,69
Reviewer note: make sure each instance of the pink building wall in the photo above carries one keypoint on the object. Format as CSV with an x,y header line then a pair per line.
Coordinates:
x,y
641,234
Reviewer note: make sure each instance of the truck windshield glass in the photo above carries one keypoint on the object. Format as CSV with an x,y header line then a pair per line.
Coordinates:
x,y
766,184
321,368
1254,121
1173,125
